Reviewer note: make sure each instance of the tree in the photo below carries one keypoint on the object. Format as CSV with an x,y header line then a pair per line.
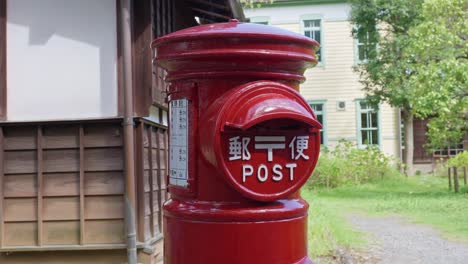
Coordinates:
x,y
437,57
255,3
385,24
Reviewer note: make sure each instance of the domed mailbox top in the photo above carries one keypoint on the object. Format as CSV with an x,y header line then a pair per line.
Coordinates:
x,y
235,49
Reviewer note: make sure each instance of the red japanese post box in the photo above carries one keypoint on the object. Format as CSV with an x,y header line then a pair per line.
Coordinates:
x,y
242,143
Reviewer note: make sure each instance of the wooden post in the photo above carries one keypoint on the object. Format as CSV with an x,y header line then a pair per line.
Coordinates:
x,y
455,179
449,179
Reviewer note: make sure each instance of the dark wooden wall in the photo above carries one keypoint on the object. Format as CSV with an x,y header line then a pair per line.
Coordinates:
x,y
61,185
420,138
3,91
152,144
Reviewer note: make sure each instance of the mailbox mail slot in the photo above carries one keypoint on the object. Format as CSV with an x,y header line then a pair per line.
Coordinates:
x,y
265,140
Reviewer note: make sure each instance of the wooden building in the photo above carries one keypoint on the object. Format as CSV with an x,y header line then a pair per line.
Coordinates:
x,y
83,126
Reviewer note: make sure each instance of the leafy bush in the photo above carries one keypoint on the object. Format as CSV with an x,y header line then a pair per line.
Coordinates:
x,y
460,160
347,164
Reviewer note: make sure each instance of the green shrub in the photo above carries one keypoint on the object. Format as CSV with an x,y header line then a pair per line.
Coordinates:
x,y
347,164
460,160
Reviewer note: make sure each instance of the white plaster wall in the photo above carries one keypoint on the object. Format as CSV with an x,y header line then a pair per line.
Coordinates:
x,y
61,59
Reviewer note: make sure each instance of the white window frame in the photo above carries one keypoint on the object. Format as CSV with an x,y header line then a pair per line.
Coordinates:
x,y
265,20
359,128
323,112
304,18
357,45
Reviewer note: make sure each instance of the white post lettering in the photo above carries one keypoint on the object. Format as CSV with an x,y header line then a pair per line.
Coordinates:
x,y
247,170
277,174
264,177
291,167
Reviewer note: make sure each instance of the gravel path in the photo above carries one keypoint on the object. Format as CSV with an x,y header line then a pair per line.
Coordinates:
x,y
394,240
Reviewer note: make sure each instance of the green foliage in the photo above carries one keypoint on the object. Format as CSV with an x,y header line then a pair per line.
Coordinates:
x,y
460,160
437,56
328,229
421,61
422,199
347,164
387,22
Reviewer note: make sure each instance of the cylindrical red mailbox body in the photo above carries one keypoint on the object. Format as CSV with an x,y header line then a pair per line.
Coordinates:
x,y
242,143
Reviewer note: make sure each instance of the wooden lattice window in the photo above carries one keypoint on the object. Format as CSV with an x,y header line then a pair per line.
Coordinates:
x,y
61,185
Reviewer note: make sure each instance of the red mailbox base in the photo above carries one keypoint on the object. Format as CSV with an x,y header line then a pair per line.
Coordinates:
x,y
201,233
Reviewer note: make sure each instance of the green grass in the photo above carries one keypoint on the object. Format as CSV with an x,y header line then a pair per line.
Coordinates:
x,y
424,200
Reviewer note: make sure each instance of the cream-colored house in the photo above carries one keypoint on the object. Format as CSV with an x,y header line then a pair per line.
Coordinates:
x,y
332,87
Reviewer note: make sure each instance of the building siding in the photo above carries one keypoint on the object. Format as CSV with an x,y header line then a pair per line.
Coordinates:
x,y
333,79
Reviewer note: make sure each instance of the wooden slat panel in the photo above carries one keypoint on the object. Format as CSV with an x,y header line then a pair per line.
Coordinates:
x,y
156,202
139,131
20,162
102,136
145,137
61,208
104,207
103,159
20,234
21,185
81,186
104,231
162,176
150,177
147,227
60,137
40,183
2,177
62,233
156,181
147,204
103,183
60,184
162,139
146,158
156,227
142,65
146,174
20,138
3,61
61,160
20,209
162,155
154,156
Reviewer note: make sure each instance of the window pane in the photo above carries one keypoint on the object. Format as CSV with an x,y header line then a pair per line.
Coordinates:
x,y
316,23
374,119
317,36
361,53
365,139
320,118
307,34
307,23
363,105
317,107
375,138
364,120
